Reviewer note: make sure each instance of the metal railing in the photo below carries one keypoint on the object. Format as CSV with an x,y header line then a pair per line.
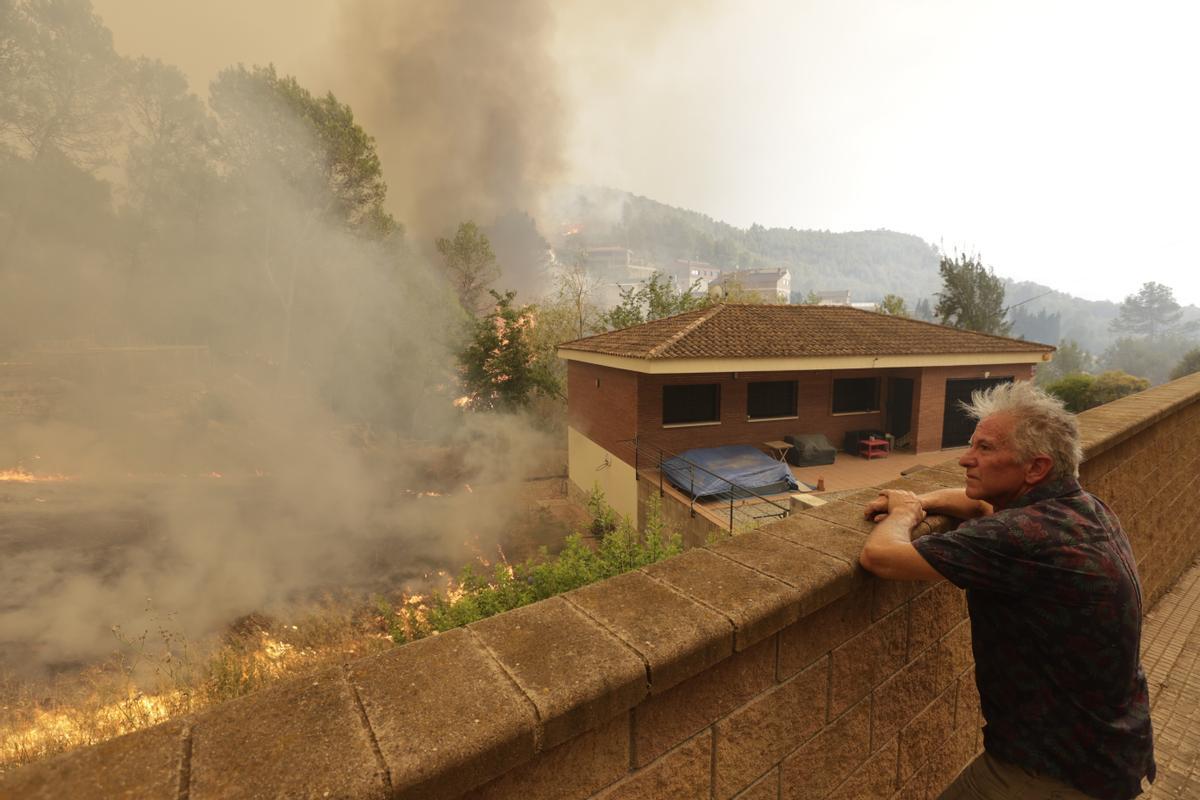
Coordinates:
x,y
746,509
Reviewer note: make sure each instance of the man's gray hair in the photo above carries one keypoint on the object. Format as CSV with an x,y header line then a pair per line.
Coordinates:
x,y
1043,426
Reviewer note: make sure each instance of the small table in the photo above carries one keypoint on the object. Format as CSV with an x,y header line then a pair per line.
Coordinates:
x,y
874,448
780,448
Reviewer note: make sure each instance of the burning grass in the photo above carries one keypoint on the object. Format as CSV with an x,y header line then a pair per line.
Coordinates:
x,y
158,675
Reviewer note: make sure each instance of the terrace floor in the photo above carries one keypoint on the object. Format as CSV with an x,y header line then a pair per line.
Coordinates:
x,y
1171,658
854,472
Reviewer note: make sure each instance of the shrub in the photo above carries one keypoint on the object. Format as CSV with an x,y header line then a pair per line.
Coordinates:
x,y
1113,385
620,550
1073,390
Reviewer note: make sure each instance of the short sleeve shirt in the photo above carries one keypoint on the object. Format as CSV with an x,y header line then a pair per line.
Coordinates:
x,y
1056,616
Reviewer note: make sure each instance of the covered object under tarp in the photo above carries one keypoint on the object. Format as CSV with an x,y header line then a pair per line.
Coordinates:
x,y
810,450
707,472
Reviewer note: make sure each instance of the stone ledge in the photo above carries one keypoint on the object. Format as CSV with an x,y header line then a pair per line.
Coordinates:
x,y
577,674
675,636
1106,426
426,757
301,738
757,604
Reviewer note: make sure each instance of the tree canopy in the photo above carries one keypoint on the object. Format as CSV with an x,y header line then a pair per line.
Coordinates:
x,y
972,297
1152,312
60,81
893,304
469,265
653,299
274,128
500,371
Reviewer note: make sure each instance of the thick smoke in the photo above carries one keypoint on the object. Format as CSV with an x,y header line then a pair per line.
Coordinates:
x,y
186,294
464,101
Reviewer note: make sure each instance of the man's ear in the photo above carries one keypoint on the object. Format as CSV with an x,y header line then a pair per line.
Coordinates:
x,y
1037,469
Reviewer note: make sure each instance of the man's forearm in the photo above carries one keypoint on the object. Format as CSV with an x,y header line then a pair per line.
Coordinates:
x,y
954,503
889,552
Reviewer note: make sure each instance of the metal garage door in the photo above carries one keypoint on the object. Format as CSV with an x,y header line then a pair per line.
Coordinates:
x,y
957,427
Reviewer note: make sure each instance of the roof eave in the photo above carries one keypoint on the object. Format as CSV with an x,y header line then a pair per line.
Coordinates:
x,y
677,366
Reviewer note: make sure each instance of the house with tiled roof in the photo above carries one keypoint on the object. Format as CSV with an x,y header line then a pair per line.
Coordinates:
x,y
749,374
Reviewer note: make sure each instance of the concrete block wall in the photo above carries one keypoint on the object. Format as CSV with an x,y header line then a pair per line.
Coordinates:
x,y
1140,457
766,666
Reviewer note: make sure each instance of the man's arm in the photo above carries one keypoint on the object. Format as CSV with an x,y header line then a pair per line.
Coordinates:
x,y
889,551
954,503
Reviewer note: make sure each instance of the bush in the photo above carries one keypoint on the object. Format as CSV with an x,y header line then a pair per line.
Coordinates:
x,y
1073,390
1113,385
621,549
1081,391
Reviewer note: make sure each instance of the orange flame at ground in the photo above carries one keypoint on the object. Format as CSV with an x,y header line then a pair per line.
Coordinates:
x,y
21,475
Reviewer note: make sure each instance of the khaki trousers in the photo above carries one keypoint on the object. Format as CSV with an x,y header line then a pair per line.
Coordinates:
x,y
988,778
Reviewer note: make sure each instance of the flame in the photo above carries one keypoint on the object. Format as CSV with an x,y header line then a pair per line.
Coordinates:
x,y
463,401
21,475
49,729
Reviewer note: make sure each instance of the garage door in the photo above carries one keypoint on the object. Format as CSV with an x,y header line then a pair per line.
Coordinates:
x,y
957,427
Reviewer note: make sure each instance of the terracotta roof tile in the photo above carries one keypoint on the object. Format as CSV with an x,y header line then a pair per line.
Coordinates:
x,y
792,331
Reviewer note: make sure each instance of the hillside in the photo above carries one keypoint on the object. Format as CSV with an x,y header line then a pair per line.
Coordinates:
x,y
868,263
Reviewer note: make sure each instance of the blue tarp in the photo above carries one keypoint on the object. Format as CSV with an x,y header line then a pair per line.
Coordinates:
x,y
742,464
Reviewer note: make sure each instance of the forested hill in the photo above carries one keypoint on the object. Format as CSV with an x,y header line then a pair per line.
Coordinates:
x,y
869,263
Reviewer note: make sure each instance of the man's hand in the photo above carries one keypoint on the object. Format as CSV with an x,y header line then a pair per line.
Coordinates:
x,y
889,552
896,501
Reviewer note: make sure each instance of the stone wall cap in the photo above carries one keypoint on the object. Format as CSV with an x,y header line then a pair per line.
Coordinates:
x,y
577,674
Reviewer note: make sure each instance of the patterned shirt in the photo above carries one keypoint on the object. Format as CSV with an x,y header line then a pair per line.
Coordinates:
x,y
1056,618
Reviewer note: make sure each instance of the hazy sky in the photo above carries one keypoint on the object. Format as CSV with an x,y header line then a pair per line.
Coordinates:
x,y
1058,139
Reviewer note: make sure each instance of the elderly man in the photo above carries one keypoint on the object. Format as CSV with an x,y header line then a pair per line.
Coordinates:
x,y
1054,600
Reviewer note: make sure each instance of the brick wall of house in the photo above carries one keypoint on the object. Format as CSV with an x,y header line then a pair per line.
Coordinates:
x,y
603,406
815,394
768,666
815,406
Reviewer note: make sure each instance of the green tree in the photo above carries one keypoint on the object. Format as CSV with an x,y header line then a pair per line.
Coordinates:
x,y
654,299
893,304
1144,356
1188,364
923,310
170,169
972,297
500,371
573,289
60,81
1152,312
277,131
469,265
1113,385
1074,390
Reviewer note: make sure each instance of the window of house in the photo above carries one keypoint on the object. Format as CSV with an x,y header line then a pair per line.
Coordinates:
x,y
691,403
855,395
767,399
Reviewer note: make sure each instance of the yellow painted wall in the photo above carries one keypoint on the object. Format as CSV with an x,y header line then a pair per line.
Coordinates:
x,y
589,465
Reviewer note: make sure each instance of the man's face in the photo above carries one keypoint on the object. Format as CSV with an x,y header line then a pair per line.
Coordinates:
x,y
995,473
